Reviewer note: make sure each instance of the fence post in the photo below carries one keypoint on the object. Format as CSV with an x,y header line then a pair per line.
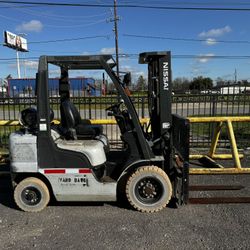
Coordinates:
x,y
143,107
214,105
213,113
90,116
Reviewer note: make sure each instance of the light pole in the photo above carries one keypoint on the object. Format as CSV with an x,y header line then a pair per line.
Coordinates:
x,y
18,64
24,64
17,59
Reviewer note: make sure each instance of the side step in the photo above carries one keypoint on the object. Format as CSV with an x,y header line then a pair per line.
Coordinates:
x,y
4,169
106,179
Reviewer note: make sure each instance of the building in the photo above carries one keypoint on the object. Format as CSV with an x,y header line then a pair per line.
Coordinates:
x,y
78,87
234,89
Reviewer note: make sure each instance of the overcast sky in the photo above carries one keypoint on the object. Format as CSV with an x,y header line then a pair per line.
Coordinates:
x,y
183,32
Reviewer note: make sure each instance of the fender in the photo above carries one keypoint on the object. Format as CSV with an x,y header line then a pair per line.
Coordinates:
x,y
157,161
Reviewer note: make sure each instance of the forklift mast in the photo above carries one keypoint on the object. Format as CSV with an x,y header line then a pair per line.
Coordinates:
x,y
159,91
159,102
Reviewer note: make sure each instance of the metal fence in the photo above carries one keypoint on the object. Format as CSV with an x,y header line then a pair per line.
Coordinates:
x,y
188,105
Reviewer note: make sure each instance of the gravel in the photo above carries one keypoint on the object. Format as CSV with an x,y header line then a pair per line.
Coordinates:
x,y
113,226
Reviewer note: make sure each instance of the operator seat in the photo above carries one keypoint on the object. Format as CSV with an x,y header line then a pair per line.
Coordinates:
x,y
73,126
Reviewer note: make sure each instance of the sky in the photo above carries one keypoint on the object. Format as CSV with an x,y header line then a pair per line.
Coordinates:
x,y
183,32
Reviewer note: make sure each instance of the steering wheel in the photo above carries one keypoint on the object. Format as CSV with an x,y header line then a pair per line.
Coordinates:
x,y
115,106
114,109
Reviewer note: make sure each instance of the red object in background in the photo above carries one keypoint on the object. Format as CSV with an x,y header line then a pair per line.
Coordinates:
x,y
103,89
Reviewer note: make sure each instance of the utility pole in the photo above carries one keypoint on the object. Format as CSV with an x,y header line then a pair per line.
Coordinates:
x,y
116,18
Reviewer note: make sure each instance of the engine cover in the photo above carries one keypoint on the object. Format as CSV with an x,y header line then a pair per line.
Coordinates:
x,y
23,152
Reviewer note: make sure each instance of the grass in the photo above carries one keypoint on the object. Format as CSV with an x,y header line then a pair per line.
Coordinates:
x,y
241,132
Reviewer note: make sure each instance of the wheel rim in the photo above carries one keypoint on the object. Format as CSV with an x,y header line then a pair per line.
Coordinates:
x,y
31,196
149,190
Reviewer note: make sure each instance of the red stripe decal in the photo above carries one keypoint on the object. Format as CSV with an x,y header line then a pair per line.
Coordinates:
x,y
54,171
85,171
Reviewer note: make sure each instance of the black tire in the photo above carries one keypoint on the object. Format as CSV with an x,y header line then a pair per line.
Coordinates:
x,y
148,189
31,195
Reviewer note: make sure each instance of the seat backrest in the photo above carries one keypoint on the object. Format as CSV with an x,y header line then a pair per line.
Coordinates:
x,y
70,116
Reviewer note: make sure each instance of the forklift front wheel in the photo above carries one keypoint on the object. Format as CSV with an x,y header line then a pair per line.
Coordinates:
x,y
31,195
149,189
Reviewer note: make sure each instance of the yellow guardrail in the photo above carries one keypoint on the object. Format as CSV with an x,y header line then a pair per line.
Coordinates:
x,y
93,121
219,121
9,123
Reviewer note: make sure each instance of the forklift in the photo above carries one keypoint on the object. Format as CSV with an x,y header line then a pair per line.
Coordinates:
x,y
73,161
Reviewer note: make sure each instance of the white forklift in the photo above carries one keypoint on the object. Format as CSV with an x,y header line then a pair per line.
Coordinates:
x,y
73,161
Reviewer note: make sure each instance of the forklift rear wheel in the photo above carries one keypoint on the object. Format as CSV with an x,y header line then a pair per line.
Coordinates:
x,y
149,189
31,195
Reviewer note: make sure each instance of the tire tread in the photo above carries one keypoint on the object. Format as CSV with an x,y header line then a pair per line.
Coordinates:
x,y
148,169
21,185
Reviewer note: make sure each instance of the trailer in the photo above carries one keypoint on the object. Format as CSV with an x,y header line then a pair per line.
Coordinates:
x,y
234,90
27,86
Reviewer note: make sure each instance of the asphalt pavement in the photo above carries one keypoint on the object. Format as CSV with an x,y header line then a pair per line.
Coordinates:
x,y
208,223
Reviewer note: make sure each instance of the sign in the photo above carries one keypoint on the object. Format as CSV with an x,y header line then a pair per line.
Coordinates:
x,y
15,42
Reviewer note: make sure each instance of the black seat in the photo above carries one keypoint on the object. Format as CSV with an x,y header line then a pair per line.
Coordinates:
x,y
73,126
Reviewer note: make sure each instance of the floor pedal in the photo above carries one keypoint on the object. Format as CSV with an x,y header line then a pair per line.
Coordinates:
x,y
107,179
